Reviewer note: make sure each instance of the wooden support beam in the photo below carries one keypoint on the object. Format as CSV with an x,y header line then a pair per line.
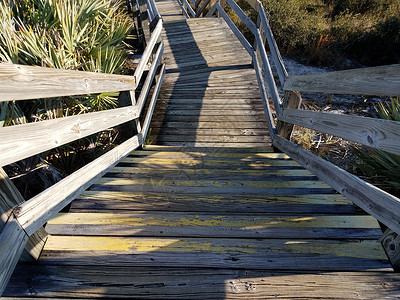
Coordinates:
x,y
144,21
10,197
12,242
390,241
291,99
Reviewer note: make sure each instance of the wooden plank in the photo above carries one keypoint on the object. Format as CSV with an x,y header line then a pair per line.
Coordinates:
x,y
210,132
373,132
217,144
376,202
200,283
21,82
213,139
12,243
227,163
214,226
111,181
97,201
248,150
147,52
283,254
194,153
382,81
34,138
38,210
211,112
208,125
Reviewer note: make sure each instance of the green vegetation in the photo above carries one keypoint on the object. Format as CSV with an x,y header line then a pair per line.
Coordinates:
x,y
327,32
83,35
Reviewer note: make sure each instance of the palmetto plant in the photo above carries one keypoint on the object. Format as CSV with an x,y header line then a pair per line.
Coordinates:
x,y
83,35
379,166
66,34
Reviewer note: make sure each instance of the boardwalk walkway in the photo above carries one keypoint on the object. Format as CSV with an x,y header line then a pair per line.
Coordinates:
x,y
184,218
210,95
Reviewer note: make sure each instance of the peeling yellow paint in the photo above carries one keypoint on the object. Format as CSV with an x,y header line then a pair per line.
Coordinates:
x,y
365,250
212,183
246,222
200,162
79,243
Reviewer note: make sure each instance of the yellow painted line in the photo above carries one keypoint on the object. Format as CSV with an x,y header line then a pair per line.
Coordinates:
x,y
208,149
365,249
294,199
206,183
80,243
200,162
248,222
258,173
216,154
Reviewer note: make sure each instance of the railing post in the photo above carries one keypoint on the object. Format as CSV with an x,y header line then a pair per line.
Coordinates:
x,y
143,22
292,99
222,4
10,197
390,241
128,98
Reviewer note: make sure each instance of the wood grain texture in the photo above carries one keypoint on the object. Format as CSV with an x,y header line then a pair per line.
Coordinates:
x,y
373,132
34,138
12,243
21,82
378,203
291,100
283,254
214,226
382,81
38,210
10,197
178,283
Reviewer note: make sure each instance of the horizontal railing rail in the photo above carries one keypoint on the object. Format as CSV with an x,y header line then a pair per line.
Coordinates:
x,y
21,141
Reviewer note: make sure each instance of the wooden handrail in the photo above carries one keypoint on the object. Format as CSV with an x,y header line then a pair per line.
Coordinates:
x,y
21,82
33,138
372,132
375,81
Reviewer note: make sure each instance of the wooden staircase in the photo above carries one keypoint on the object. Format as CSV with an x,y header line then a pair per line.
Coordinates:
x,y
155,225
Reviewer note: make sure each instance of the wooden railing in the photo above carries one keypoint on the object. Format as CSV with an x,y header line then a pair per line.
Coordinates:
x,y
372,132
21,219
